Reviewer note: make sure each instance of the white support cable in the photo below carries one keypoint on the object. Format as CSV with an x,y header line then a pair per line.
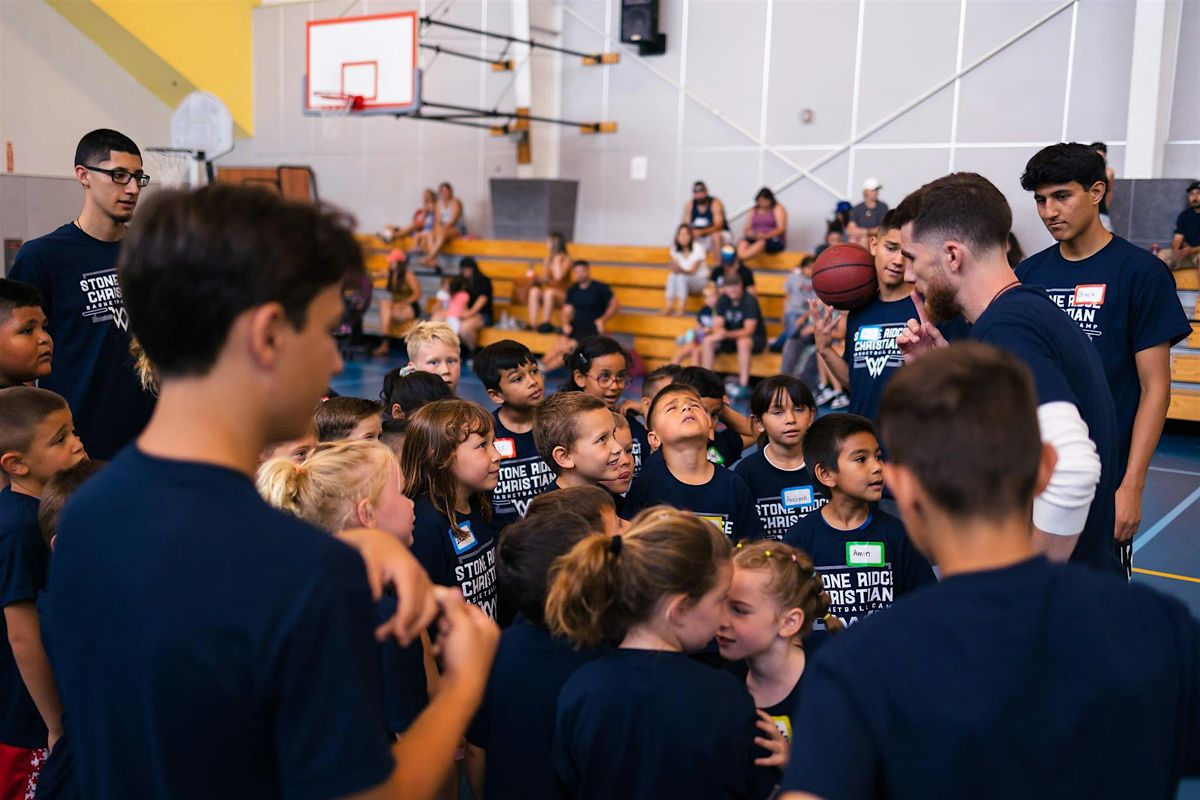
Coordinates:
x,y
766,83
958,60
857,85
681,104
632,54
1070,72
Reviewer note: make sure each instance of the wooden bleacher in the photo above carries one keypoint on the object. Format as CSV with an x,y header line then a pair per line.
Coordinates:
x,y
637,276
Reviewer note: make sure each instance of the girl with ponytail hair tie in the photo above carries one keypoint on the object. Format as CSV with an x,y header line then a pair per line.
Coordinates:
x,y
646,719
775,596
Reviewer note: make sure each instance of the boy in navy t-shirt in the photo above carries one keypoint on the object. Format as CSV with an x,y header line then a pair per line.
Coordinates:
x,y
1122,297
509,372
1014,677
726,444
511,738
679,473
37,440
25,344
863,553
75,269
955,234
189,621
576,435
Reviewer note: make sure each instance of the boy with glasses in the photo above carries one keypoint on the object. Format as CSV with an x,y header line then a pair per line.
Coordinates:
x,y
75,269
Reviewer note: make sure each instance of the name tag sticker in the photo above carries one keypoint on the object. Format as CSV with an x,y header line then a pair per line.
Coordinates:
x,y
796,496
714,455
864,554
507,448
462,537
1090,294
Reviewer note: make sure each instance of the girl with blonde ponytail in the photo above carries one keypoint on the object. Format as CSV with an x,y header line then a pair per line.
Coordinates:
x,y
645,719
356,484
775,597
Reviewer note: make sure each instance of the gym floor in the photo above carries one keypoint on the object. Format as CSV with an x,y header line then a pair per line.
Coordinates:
x,y
1166,547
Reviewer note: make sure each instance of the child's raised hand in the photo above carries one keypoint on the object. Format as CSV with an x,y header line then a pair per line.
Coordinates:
x,y
824,322
774,743
467,641
389,563
630,407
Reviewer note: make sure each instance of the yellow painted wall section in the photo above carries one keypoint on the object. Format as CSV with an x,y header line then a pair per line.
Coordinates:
x,y
176,46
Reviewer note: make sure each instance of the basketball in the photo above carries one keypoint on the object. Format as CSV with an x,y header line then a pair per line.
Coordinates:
x,y
843,276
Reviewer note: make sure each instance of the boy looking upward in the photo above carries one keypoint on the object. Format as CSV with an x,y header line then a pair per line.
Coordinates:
x,y
679,473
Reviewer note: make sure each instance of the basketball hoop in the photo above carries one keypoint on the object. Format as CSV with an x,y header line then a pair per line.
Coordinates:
x,y
335,107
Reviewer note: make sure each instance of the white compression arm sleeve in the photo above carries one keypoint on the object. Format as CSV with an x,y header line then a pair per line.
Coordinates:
x,y
1062,508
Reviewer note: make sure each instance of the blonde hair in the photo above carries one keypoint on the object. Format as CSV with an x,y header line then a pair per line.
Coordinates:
x,y
434,433
425,333
792,580
325,488
606,585
621,420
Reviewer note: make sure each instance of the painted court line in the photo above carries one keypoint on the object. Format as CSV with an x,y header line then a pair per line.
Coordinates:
x,y
1170,517
1176,471
1170,575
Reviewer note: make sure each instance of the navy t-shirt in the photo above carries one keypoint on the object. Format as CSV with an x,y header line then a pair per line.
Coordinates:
x,y
736,315
651,724
871,352
782,497
523,475
1187,224
93,370
23,560
1124,299
1066,368
1009,683
515,723
405,689
641,443
462,555
725,500
208,645
863,570
590,302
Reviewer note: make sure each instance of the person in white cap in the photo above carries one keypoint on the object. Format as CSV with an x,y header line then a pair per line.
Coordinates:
x,y
869,213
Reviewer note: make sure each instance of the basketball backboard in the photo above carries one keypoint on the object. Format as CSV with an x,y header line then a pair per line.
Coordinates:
x,y
372,57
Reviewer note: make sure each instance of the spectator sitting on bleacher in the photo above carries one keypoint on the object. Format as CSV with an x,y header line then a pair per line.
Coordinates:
x,y
448,224
766,227
421,228
841,213
541,294
706,217
738,327
401,300
687,273
589,304
835,233
731,267
479,303
869,213
857,234
797,290
1184,252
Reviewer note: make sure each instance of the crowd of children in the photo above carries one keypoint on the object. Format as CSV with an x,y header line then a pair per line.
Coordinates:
x,y
279,592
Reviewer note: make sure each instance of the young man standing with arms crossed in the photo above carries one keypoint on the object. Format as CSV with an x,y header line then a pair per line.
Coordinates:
x,y
1122,297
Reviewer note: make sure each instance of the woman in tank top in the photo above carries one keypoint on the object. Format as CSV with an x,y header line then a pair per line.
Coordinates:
x,y
448,224
766,227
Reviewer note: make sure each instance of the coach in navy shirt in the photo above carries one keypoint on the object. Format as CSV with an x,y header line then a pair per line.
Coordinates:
x,y
1120,296
1014,677
75,268
205,644
955,235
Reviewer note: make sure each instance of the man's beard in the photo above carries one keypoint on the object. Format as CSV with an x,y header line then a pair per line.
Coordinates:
x,y
940,303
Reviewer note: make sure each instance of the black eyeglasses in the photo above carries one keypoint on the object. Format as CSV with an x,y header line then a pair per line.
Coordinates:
x,y
121,176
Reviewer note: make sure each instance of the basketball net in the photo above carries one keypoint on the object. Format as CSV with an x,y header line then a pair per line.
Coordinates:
x,y
173,168
335,109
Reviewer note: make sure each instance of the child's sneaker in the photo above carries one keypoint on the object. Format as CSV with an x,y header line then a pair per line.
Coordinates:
x,y
839,401
825,394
